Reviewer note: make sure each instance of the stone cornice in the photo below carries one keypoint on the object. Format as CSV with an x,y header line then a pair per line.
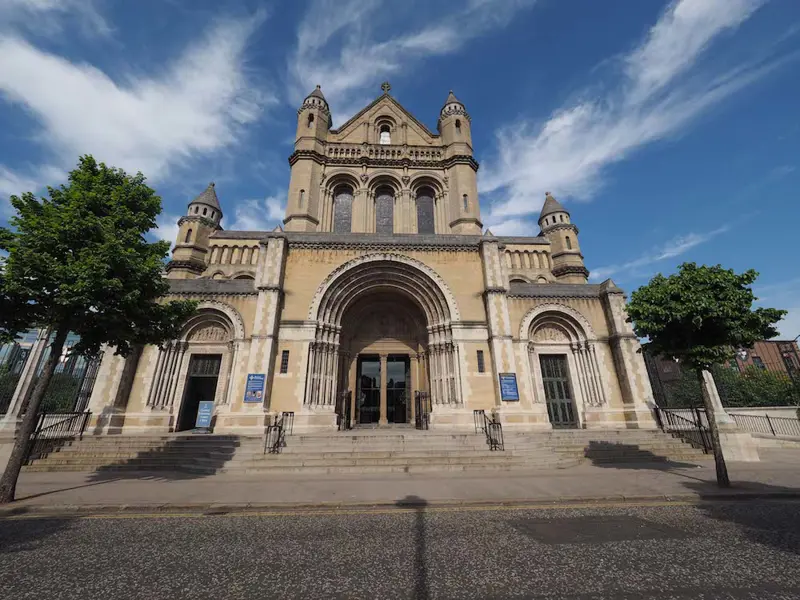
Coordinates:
x,y
555,290
198,219
382,242
212,287
570,270
189,265
466,220
557,226
567,253
368,161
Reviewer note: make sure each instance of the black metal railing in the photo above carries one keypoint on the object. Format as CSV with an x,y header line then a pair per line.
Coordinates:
x,y
768,425
277,431
55,428
344,411
492,428
692,430
422,410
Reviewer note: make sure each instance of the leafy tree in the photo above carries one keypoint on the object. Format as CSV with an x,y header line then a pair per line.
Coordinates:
x,y
78,261
700,316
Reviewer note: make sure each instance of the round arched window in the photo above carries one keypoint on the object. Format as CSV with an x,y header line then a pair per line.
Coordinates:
x,y
386,134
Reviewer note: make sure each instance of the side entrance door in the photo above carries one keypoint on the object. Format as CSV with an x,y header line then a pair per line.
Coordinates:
x,y
557,391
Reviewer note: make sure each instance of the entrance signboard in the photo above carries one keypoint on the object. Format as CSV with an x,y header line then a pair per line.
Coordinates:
x,y
508,387
254,391
204,413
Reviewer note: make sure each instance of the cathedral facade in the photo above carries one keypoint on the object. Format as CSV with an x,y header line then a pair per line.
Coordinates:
x,y
381,297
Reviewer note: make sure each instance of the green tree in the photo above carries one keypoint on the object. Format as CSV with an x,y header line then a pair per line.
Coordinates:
x,y
79,261
700,316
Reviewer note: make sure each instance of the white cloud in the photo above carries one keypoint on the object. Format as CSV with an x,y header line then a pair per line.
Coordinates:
x,y
194,107
784,295
654,98
674,247
166,228
13,183
46,16
361,60
258,215
518,227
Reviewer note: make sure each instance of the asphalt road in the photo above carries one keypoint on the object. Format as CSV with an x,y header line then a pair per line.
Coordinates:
x,y
718,550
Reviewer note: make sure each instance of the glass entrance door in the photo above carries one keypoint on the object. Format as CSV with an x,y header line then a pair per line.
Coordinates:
x,y
398,409
201,386
368,394
557,391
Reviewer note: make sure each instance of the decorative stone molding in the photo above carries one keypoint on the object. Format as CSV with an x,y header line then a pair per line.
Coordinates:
x,y
527,321
198,219
190,265
401,158
570,270
549,333
233,315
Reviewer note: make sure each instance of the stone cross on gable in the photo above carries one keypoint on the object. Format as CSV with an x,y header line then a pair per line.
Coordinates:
x,y
386,87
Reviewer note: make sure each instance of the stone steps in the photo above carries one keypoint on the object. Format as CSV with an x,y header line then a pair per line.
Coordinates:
x,y
371,451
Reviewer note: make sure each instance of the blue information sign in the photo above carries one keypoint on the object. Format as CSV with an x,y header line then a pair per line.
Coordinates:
x,y
254,392
204,413
508,387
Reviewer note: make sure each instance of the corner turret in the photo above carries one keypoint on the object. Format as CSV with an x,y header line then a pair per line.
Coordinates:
x,y
556,226
189,255
455,123
313,121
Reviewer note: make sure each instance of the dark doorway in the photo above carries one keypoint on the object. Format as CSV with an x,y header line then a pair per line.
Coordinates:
x,y
201,386
368,394
557,391
397,396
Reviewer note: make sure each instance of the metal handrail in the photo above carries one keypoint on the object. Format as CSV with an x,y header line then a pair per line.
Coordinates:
x,y
693,431
66,426
492,428
774,426
421,410
275,439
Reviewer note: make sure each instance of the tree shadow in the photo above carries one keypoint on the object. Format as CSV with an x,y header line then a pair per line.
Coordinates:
x,y
26,534
612,455
770,519
421,590
183,457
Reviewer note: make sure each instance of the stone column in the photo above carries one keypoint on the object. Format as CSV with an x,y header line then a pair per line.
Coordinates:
x,y
383,420
736,444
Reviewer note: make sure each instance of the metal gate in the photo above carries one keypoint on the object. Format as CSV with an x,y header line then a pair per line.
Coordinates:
x,y
422,410
560,404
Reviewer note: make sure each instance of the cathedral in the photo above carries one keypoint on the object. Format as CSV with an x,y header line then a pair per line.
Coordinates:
x,y
380,301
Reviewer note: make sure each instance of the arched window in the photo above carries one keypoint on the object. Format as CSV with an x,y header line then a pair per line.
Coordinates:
x,y
458,126
302,197
466,202
342,209
425,223
196,209
384,210
386,134
310,119
205,211
188,237
562,218
569,243
212,214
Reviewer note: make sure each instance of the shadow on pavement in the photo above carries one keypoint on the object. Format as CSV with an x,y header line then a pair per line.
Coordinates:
x,y
612,455
23,535
765,520
421,591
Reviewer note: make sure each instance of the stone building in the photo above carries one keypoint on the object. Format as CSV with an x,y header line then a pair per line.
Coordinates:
x,y
382,283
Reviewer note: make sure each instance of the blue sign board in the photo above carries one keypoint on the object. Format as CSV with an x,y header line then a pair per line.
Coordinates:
x,y
204,413
508,387
254,392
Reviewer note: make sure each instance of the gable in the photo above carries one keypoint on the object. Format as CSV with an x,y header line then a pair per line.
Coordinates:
x,y
353,131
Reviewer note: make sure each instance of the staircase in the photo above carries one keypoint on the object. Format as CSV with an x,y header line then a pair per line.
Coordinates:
x,y
361,452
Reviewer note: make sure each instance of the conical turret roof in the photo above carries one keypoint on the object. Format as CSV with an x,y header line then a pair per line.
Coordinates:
x,y
317,93
551,205
209,198
451,99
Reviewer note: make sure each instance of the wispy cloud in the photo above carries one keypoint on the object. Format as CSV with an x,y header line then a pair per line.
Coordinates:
x,y
658,93
337,45
16,183
166,228
259,215
674,247
195,107
47,16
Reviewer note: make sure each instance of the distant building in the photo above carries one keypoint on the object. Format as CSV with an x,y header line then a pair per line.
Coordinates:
x,y
781,356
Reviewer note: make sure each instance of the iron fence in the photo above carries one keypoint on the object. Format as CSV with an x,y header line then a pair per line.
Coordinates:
x,y
492,428
344,411
53,429
692,430
768,425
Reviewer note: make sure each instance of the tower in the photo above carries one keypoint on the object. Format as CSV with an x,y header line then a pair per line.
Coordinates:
x,y
455,130
313,123
556,226
202,218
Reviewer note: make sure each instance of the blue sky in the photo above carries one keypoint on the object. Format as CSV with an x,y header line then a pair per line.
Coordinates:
x,y
670,130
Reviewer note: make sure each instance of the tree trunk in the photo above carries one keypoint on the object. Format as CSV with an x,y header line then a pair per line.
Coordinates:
x,y
8,483
719,459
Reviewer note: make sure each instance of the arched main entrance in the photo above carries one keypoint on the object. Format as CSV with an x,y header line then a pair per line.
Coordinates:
x,y
384,331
